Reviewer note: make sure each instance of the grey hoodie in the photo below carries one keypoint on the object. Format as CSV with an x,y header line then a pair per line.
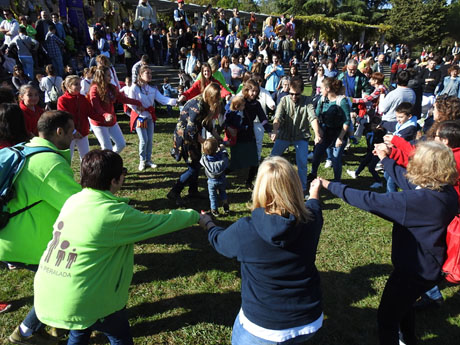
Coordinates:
x,y
214,166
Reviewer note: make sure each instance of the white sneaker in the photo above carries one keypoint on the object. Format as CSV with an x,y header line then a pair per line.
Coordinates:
x,y
151,165
376,185
142,166
379,167
328,163
351,173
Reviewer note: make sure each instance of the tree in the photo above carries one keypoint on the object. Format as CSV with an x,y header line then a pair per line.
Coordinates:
x,y
418,21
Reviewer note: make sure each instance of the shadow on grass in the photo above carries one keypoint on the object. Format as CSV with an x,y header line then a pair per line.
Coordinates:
x,y
216,308
341,291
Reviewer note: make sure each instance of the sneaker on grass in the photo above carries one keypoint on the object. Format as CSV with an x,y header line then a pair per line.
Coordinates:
x,y
352,174
38,338
328,163
4,306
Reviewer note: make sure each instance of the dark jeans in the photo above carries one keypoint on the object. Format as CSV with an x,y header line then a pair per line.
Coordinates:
x,y
329,138
369,160
115,327
189,177
396,312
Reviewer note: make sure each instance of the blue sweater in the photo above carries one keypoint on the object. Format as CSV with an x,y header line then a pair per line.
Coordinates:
x,y
280,285
420,218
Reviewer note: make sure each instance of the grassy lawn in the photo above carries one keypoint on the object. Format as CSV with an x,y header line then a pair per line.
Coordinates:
x,y
185,293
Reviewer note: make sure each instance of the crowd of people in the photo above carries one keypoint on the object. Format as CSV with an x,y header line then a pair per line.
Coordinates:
x,y
233,89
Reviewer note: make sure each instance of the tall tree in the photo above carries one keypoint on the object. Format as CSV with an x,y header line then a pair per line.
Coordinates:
x,y
418,21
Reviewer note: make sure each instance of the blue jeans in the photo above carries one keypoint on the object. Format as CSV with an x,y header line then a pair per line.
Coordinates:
x,y
241,336
301,156
215,185
391,185
28,65
329,138
146,140
58,65
114,326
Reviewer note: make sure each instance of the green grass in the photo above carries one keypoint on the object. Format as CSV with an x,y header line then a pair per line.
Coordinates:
x,y
185,293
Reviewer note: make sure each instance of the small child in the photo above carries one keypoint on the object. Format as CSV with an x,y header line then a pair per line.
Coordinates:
x,y
406,128
87,79
125,90
233,119
215,161
180,91
168,91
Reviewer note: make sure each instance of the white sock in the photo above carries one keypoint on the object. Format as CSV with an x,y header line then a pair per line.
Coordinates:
x,y
25,331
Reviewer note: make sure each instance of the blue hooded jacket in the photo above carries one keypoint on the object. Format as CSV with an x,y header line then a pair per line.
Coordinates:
x,y
280,286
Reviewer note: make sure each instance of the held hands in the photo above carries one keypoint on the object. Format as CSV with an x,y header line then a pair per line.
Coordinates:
x,y
387,139
205,221
108,118
315,187
381,150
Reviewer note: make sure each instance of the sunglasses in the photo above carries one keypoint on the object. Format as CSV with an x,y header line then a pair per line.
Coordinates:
x,y
294,94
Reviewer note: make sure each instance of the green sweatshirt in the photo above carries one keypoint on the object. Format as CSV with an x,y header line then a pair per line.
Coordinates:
x,y
85,273
46,176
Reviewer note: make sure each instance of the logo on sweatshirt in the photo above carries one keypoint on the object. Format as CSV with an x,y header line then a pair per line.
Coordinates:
x,y
59,252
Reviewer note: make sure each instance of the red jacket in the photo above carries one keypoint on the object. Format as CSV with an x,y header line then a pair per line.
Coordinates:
x,y
31,117
81,109
195,89
403,150
105,109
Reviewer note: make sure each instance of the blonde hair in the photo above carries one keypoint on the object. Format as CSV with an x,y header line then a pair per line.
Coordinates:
x,y
432,166
69,80
237,102
210,146
212,100
278,190
24,88
102,60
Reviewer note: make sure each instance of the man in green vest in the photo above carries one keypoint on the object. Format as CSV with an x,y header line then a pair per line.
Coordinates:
x,y
46,176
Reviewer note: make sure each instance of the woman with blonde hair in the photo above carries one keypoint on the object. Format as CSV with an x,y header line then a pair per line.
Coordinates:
x,y
102,95
276,247
196,121
143,121
419,237
78,105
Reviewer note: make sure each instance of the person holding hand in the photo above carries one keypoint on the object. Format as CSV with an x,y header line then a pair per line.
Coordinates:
x,y
292,126
419,237
276,246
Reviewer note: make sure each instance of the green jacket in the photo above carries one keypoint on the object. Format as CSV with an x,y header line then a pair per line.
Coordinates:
x,y
85,273
361,84
294,118
46,176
